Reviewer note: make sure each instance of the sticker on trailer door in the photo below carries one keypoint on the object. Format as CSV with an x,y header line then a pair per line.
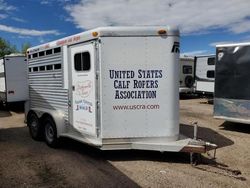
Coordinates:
x,y
84,88
83,107
84,115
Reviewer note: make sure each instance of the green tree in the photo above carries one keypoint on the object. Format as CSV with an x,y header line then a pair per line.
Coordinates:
x,y
25,46
6,48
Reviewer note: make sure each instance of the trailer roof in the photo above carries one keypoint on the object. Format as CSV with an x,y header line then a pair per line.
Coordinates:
x,y
108,32
13,55
183,57
207,55
233,44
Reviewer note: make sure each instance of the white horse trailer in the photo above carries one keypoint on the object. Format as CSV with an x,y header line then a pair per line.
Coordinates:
x,y
13,78
112,87
204,74
232,83
186,74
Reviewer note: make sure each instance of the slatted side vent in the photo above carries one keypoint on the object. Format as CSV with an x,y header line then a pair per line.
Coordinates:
x,y
46,81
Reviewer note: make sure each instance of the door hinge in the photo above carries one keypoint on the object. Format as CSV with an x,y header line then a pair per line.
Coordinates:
x,y
97,131
97,75
96,45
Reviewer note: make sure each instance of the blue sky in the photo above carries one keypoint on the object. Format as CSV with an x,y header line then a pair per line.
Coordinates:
x,y
202,23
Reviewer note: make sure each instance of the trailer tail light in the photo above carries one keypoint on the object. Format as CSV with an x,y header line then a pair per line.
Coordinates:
x,y
162,32
94,34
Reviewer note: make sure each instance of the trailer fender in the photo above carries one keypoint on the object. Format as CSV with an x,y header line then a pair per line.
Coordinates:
x,y
26,110
57,117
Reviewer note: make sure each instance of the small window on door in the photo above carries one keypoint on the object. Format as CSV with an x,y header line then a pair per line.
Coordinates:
x,y
82,61
210,74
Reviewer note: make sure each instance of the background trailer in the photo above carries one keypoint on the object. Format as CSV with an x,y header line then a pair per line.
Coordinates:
x,y
112,87
232,83
186,74
204,74
13,78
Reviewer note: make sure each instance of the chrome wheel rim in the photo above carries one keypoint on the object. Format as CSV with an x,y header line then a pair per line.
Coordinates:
x,y
49,132
34,125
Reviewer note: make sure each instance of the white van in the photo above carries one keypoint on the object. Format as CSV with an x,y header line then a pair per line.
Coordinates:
x,y
112,87
13,78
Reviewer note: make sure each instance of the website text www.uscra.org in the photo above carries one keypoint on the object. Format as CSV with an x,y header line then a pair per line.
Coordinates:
x,y
137,107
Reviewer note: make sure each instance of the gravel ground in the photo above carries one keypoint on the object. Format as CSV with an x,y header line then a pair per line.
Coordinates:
x,y
28,163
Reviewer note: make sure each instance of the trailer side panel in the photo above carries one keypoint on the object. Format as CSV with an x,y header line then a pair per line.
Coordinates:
x,y
232,84
204,74
2,81
139,87
46,87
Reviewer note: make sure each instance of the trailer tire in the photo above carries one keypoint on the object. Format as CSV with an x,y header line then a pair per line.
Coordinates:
x,y
35,127
189,81
50,132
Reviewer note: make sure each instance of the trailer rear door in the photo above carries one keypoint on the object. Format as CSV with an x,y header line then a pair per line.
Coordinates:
x,y
16,79
83,88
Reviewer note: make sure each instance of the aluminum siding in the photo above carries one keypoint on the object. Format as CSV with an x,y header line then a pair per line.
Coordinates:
x,y
46,87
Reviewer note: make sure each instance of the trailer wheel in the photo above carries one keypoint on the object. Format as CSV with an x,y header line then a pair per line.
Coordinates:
x,y
35,128
189,81
50,132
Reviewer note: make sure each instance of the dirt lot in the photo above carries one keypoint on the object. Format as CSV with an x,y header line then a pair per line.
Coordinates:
x,y
27,163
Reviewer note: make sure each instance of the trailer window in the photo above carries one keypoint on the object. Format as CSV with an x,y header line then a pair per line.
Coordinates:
x,y
48,52
41,54
57,50
187,69
210,74
29,69
82,61
42,68
34,55
211,61
29,56
57,66
35,69
49,67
